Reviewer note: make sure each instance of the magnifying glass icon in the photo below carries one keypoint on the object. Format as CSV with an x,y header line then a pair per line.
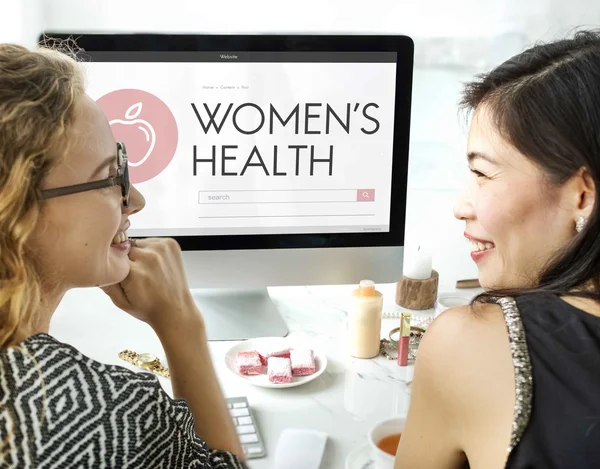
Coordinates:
x,y
365,195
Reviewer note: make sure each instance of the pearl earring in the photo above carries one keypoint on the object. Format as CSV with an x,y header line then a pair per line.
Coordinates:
x,y
580,224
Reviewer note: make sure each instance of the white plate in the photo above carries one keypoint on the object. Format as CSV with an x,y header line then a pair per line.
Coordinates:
x,y
360,458
263,380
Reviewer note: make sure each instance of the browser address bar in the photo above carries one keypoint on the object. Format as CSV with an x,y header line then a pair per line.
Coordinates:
x,y
285,196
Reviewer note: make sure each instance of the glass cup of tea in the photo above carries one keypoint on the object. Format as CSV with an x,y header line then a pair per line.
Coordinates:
x,y
383,440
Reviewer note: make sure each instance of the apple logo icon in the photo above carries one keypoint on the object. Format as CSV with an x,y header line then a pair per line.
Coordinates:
x,y
143,125
147,127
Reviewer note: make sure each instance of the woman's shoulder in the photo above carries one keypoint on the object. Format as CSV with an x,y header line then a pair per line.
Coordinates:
x,y
477,354
41,353
461,328
65,374
53,359
42,361
494,322
467,351
458,336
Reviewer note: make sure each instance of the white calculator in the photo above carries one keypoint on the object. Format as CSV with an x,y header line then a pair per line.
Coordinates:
x,y
246,427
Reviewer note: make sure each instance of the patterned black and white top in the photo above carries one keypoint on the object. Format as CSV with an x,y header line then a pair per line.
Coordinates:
x,y
60,409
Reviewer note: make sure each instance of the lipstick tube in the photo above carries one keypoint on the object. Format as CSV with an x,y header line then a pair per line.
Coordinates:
x,y
404,341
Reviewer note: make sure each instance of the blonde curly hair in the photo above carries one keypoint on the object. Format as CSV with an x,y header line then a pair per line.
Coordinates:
x,y
38,92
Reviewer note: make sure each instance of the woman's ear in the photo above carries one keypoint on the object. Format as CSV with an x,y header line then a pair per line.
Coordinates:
x,y
580,193
585,192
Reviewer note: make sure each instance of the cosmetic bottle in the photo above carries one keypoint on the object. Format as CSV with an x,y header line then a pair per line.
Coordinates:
x,y
404,341
364,321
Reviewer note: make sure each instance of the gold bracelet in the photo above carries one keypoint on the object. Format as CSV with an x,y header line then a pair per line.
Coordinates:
x,y
416,333
147,361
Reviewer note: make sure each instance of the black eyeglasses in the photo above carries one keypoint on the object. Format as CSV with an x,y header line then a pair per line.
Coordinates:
x,y
122,179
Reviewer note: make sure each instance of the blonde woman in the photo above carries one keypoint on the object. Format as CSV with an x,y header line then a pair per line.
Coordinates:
x,y
65,206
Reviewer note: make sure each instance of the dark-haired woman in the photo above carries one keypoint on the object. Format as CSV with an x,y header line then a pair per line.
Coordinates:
x,y
513,380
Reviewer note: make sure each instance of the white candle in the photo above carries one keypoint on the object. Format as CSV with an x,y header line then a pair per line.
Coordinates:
x,y
417,263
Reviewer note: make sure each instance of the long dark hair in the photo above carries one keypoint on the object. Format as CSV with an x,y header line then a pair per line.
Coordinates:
x,y
545,101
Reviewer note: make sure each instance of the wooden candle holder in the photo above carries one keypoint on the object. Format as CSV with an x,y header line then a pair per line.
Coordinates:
x,y
417,294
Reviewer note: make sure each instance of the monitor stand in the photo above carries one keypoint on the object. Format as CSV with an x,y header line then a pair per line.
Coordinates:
x,y
238,314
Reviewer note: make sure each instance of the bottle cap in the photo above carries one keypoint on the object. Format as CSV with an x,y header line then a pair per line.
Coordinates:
x,y
405,325
366,286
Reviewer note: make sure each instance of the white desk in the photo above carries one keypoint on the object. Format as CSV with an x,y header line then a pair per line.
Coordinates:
x,y
344,402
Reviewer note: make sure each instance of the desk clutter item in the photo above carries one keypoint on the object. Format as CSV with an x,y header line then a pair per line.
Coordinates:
x,y
274,349
389,347
300,448
289,363
249,363
279,370
303,362
417,262
282,363
146,361
360,458
364,320
417,294
403,341
246,427
420,321
448,300
417,288
468,283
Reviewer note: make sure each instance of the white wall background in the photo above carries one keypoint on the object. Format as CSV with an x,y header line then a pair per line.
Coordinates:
x,y
453,39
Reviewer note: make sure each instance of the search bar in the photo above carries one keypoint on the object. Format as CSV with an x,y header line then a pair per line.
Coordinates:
x,y
286,196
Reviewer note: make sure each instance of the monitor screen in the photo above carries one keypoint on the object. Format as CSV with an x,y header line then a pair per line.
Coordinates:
x,y
253,143
260,141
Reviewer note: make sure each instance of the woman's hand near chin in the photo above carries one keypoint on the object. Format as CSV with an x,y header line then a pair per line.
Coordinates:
x,y
156,290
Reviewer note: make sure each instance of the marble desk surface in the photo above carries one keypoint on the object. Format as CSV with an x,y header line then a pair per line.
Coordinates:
x,y
345,401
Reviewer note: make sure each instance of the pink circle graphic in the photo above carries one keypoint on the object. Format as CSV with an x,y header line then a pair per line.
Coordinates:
x,y
147,127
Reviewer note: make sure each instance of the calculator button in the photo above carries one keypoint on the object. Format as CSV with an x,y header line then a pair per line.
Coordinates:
x,y
245,421
243,429
254,450
239,412
250,438
239,405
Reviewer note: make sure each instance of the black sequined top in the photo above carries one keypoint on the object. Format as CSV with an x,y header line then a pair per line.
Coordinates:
x,y
556,354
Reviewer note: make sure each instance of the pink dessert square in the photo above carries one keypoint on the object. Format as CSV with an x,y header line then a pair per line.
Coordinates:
x,y
279,370
248,363
303,362
273,350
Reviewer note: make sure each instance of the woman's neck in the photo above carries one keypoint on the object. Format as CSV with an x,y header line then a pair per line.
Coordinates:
x,y
40,322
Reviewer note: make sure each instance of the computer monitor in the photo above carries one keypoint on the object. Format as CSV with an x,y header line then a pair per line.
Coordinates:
x,y
272,159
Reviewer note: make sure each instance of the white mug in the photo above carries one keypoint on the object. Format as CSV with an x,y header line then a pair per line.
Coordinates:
x,y
382,429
